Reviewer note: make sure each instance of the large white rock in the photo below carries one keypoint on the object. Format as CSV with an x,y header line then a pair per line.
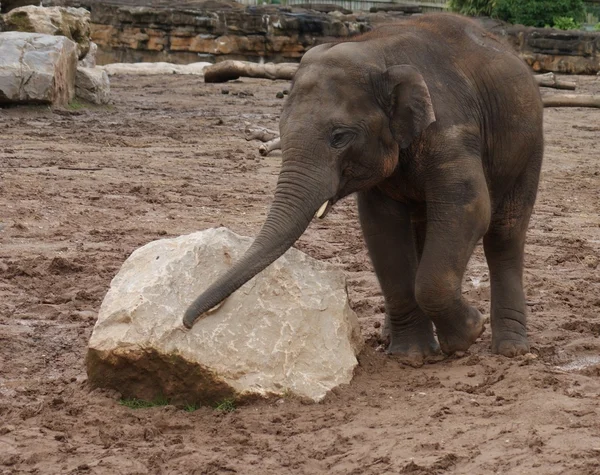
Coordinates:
x,y
74,23
37,68
288,330
92,85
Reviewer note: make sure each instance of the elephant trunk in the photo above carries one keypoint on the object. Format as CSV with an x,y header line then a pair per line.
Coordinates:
x,y
299,194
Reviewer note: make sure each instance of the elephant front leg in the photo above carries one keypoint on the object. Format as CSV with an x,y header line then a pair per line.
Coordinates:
x,y
458,214
387,230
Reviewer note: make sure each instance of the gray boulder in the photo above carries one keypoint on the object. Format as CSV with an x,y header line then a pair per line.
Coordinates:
x,y
289,330
36,68
89,61
74,23
92,85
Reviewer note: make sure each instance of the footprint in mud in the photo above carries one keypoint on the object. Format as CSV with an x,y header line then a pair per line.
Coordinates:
x,y
60,265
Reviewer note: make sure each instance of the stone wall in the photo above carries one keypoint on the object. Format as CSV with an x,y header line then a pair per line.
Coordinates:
x,y
208,31
184,31
546,49
571,52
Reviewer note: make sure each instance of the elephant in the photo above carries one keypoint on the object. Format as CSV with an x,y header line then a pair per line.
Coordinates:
x,y
436,126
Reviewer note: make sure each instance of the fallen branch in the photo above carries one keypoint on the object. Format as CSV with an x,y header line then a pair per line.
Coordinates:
x,y
571,100
230,70
266,148
259,133
550,80
81,169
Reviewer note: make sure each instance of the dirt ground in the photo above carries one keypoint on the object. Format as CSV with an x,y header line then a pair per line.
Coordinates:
x,y
81,189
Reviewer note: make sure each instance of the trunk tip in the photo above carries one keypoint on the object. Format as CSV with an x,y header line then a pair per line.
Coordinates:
x,y
190,316
194,312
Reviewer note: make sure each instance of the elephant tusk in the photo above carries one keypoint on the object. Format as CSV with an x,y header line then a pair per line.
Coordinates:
x,y
322,210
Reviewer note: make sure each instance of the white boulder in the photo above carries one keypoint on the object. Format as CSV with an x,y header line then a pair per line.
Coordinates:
x,y
37,68
92,85
288,330
74,23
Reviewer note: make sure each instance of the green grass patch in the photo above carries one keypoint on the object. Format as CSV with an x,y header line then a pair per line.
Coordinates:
x,y
135,403
19,21
227,405
76,105
190,407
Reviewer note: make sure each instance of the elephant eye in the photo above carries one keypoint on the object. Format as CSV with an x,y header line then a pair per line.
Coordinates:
x,y
341,138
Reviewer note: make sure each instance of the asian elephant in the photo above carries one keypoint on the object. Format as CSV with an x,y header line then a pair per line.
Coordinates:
x,y
437,126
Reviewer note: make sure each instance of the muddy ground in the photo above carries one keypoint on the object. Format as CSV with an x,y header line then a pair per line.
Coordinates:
x,y
80,189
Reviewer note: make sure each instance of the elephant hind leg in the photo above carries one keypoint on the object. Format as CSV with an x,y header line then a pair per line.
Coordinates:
x,y
504,245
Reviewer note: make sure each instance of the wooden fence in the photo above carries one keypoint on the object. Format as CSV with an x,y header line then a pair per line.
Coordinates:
x,y
358,5
592,8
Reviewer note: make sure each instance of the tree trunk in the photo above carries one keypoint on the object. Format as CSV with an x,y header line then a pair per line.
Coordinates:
x,y
549,80
571,100
230,70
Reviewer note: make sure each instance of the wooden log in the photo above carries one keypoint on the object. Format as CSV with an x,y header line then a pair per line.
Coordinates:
x,y
550,80
266,148
230,70
259,133
572,100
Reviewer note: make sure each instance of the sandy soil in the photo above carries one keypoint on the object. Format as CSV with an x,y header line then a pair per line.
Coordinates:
x,y
81,189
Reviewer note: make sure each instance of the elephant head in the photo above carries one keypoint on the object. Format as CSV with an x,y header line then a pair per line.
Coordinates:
x,y
342,127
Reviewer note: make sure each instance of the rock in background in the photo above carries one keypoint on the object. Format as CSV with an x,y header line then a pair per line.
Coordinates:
x,y
74,23
288,330
37,68
92,85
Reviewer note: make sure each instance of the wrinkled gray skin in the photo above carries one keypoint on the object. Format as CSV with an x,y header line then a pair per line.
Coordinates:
x,y
438,128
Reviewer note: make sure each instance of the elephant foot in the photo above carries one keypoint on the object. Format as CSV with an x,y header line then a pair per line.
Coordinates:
x,y
509,344
460,335
411,338
509,332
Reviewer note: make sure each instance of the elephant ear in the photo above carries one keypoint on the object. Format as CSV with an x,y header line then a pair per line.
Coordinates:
x,y
408,103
